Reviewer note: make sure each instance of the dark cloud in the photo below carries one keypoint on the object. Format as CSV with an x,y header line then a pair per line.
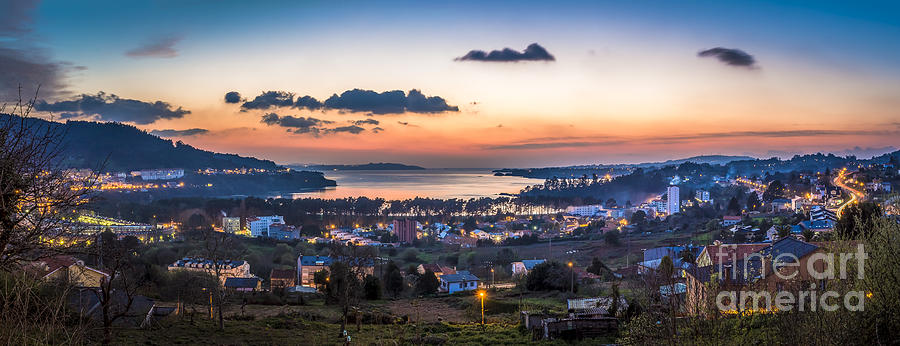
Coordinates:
x,y
349,129
160,47
270,99
395,101
534,52
728,56
307,102
179,133
366,121
22,63
296,124
357,100
110,107
289,121
232,97
377,129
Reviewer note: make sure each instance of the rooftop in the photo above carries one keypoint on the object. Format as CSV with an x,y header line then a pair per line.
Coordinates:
x,y
459,277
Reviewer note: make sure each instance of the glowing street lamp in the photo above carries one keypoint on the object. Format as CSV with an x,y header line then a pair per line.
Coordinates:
x,y
481,295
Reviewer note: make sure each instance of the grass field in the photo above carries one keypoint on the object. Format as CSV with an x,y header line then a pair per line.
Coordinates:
x,y
449,320
294,330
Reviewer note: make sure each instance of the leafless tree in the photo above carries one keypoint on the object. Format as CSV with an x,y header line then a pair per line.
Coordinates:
x,y
219,247
346,277
37,197
116,294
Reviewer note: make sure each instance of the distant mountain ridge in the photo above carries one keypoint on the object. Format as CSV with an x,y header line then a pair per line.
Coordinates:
x,y
614,169
121,147
709,159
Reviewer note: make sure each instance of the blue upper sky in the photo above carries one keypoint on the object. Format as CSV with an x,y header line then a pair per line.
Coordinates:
x,y
626,81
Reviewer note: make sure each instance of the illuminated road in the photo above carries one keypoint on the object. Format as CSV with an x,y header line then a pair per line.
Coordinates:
x,y
855,195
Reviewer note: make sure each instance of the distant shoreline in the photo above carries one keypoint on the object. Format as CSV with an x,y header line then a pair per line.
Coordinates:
x,y
363,167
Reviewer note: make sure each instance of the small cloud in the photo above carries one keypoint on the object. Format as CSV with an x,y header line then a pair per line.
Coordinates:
x,y
232,97
534,52
377,129
406,123
365,122
292,121
162,47
349,129
179,133
729,56
109,107
301,125
270,99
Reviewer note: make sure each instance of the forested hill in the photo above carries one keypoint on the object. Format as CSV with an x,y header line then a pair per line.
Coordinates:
x,y
120,147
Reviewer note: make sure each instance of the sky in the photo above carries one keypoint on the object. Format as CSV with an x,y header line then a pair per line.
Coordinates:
x,y
468,83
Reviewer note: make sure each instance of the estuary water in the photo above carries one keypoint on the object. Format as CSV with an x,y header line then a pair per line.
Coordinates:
x,y
433,183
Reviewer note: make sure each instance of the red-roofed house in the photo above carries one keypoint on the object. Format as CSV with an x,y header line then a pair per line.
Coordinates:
x,y
67,269
281,278
437,269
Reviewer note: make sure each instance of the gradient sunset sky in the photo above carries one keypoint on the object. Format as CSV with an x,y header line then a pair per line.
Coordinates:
x,y
627,81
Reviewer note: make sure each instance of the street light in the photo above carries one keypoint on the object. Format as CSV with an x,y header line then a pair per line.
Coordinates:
x,y
572,286
481,295
493,283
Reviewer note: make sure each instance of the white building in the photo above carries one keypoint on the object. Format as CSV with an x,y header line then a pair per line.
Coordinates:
x,y
659,205
161,174
583,210
673,202
259,226
231,224
702,196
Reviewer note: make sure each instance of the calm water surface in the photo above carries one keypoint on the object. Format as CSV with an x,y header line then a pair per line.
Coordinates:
x,y
433,183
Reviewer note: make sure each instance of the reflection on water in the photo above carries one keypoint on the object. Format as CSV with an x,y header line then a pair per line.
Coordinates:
x,y
433,183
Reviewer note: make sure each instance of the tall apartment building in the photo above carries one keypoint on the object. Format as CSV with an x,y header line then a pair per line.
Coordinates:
x,y
405,230
674,201
231,224
259,226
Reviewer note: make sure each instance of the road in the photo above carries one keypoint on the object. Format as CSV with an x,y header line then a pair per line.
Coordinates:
x,y
855,195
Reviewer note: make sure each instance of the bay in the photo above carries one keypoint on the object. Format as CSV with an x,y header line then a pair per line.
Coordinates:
x,y
445,183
